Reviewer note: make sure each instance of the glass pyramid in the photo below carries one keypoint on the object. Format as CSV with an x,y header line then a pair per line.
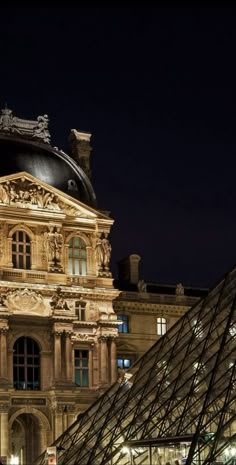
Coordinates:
x,y
176,405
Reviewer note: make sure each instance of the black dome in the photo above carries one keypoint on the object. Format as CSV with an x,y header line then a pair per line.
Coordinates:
x,y
47,164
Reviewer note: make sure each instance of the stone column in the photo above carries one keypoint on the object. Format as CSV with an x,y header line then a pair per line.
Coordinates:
x,y
3,353
68,356
4,432
103,360
113,360
57,356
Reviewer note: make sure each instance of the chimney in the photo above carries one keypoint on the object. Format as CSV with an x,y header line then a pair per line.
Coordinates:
x,y
129,269
81,149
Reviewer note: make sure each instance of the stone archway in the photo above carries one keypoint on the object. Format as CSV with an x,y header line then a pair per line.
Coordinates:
x,y
29,434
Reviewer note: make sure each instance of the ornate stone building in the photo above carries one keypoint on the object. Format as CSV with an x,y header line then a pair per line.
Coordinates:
x,y
58,328
61,318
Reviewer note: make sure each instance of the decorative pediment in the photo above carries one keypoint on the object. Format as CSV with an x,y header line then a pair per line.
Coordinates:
x,y
25,191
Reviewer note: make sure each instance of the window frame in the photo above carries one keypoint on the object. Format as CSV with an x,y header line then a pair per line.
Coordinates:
x,y
26,364
124,328
21,255
161,327
77,263
81,369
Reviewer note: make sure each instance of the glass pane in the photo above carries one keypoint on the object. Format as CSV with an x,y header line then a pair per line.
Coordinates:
x,y
70,267
77,377
85,378
20,236
83,268
28,263
127,363
76,267
76,241
83,253
20,261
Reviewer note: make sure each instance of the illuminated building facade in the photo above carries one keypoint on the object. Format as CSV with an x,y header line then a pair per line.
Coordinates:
x,y
61,318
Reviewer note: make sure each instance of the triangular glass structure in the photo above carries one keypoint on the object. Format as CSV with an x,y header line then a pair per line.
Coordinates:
x,y
179,402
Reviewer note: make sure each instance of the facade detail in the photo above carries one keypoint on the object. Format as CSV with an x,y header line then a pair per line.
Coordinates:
x,y
58,329
66,332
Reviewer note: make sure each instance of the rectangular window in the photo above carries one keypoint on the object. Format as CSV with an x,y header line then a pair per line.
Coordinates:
x,y
124,327
81,368
123,363
80,310
161,326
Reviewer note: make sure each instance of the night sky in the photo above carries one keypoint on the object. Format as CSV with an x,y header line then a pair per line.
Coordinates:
x,y
157,89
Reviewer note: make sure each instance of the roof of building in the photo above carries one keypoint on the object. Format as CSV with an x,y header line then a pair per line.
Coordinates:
x,y
25,146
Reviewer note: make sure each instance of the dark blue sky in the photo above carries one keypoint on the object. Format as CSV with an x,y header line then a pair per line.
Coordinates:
x,y
156,87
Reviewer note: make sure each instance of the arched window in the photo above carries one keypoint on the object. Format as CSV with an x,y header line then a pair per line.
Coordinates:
x,y
21,250
161,326
26,364
77,256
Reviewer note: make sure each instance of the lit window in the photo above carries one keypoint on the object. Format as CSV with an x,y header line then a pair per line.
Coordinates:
x,y
123,363
26,364
124,327
161,326
21,250
80,310
81,368
77,256
198,329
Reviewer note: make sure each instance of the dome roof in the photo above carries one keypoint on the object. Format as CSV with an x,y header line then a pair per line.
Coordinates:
x,y
46,163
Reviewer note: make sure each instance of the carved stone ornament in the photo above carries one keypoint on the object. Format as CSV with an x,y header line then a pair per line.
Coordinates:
x,y
32,129
24,193
58,301
103,254
25,301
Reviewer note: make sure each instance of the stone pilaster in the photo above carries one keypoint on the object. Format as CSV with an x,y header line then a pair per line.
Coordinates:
x,y
113,360
103,360
57,356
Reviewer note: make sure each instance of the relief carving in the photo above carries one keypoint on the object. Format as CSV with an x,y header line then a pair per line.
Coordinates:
x,y
25,300
26,194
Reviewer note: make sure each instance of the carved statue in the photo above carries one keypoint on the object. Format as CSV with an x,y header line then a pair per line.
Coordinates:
x,y
50,244
58,301
142,286
103,252
106,246
179,289
53,247
58,245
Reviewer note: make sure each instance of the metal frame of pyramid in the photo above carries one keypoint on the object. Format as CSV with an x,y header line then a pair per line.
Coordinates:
x,y
183,387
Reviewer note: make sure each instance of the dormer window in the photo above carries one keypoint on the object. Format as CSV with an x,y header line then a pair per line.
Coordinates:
x,y
21,250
